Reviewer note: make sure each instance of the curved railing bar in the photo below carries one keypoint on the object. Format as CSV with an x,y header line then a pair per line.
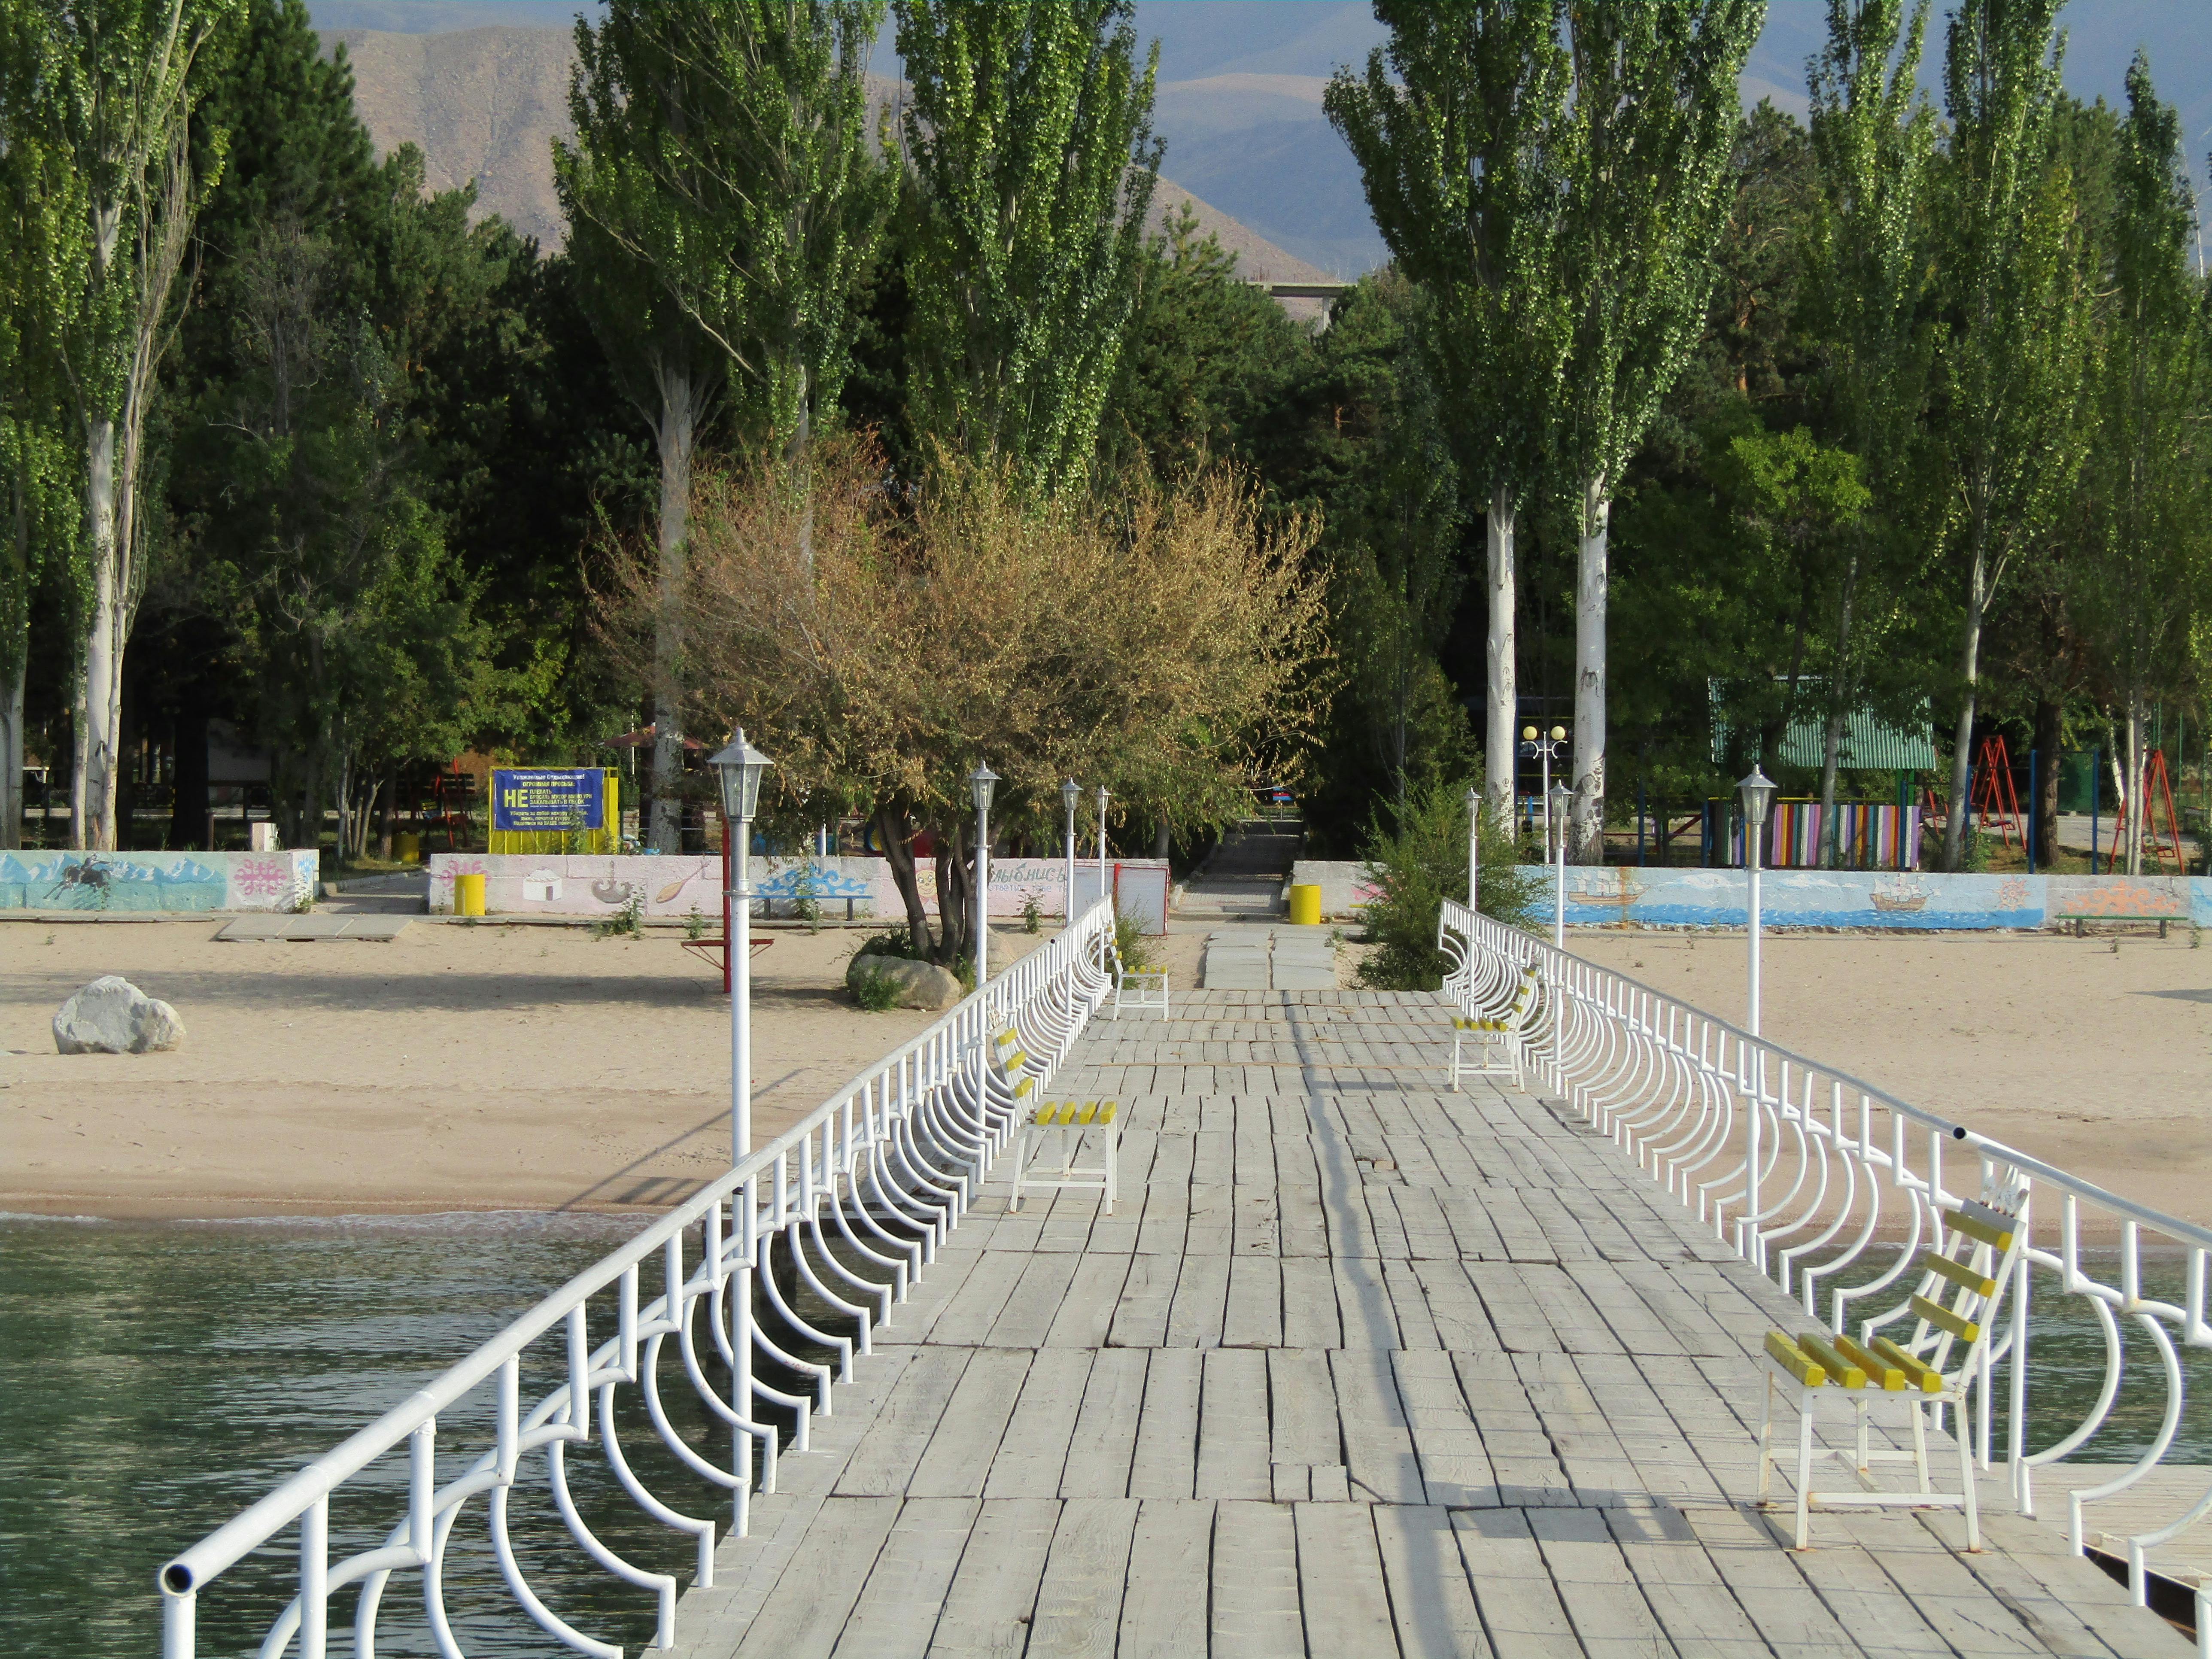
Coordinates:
x,y
1732,1125
902,1146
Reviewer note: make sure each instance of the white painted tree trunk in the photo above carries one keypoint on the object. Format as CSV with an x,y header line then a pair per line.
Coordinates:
x,y
1587,814
92,790
1502,688
677,434
2138,797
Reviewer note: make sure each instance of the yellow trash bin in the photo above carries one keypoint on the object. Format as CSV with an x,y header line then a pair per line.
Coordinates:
x,y
408,845
468,894
1305,905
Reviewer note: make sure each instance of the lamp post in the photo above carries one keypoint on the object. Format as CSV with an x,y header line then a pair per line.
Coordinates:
x,y
1757,792
1542,749
1101,841
739,770
1474,851
1071,796
982,781
1555,814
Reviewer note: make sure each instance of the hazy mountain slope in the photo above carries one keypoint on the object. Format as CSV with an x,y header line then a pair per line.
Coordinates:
x,y
486,104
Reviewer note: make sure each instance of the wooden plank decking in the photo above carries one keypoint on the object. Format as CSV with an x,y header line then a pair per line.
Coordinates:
x,y
1358,1367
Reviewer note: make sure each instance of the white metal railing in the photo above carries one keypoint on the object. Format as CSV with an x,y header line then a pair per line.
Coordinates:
x,y
885,1167
1824,1182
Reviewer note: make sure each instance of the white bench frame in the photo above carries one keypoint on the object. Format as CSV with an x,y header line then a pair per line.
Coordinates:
x,y
1976,1250
1504,1038
1103,1177
1139,984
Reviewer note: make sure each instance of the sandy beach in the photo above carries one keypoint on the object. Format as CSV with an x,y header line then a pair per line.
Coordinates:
x,y
453,1068
2097,1063
534,1067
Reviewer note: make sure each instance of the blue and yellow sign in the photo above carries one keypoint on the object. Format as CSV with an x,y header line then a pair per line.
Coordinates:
x,y
541,800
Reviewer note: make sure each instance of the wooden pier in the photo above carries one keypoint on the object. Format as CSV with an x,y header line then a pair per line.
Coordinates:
x,y
1357,1367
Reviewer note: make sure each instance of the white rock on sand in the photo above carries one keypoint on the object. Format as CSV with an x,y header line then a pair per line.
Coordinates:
x,y
920,984
112,1016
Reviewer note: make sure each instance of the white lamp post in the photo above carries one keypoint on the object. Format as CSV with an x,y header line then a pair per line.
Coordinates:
x,y
1071,796
1473,852
1757,792
739,770
1556,820
982,781
1102,889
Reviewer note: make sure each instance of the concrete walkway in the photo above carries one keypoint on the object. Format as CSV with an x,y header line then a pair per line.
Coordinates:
x,y
1243,880
1358,1367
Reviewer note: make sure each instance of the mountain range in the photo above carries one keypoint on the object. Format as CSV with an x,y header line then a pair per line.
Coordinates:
x,y
482,88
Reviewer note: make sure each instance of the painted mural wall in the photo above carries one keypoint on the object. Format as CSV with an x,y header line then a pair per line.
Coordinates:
x,y
66,880
673,886
1620,896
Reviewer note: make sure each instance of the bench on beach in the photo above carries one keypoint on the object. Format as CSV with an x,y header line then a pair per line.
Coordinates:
x,y
2081,919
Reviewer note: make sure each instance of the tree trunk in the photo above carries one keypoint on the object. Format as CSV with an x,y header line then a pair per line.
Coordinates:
x,y
2137,799
1962,757
1839,691
895,831
1500,745
2045,805
92,790
11,749
955,898
1161,839
676,434
1586,814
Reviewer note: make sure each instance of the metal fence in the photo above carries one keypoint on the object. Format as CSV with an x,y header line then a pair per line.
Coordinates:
x,y
1831,1186
858,1197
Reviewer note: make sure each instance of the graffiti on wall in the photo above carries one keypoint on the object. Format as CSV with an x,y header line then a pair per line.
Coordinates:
x,y
139,882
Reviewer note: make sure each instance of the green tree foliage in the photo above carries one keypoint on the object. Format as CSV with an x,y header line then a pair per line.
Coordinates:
x,y
1417,858
125,74
1461,131
1029,132
2148,481
1654,98
723,204
2011,352
43,226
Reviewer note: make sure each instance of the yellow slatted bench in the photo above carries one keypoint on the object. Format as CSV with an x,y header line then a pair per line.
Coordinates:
x,y
1017,1070
1071,1121
1961,1280
1496,1038
1142,988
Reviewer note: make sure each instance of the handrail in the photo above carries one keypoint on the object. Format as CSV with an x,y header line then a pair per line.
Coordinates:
x,y
1790,1160
889,1162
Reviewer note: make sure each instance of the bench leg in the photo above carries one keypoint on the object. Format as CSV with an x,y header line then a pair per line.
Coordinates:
x,y
1113,1164
1021,1161
1804,1465
1766,1443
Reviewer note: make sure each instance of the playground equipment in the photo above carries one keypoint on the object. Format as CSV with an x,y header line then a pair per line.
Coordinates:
x,y
1992,798
2156,786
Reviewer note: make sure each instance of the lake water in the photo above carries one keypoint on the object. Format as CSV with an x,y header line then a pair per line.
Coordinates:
x,y
160,1377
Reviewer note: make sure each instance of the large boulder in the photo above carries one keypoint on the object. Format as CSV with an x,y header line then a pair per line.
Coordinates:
x,y
922,984
112,1016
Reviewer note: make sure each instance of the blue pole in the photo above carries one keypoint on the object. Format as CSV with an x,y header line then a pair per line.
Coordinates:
x,y
2095,754
2034,759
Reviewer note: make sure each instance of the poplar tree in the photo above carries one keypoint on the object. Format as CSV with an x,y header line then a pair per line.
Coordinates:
x,y
42,229
1459,126
1029,130
2146,480
1655,108
723,205
1866,269
125,85
2009,364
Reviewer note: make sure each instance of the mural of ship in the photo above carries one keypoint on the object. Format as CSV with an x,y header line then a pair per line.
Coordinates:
x,y
1901,893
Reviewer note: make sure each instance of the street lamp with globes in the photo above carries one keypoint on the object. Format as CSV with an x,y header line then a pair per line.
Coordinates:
x,y
982,781
739,770
1757,792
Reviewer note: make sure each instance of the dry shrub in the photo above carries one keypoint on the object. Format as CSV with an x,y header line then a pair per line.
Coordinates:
x,y
1154,635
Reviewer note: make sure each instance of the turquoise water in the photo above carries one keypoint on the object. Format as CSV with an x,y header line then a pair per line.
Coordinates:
x,y
160,1377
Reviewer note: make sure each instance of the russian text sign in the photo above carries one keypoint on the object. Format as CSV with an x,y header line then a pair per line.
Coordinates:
x,y
562,799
